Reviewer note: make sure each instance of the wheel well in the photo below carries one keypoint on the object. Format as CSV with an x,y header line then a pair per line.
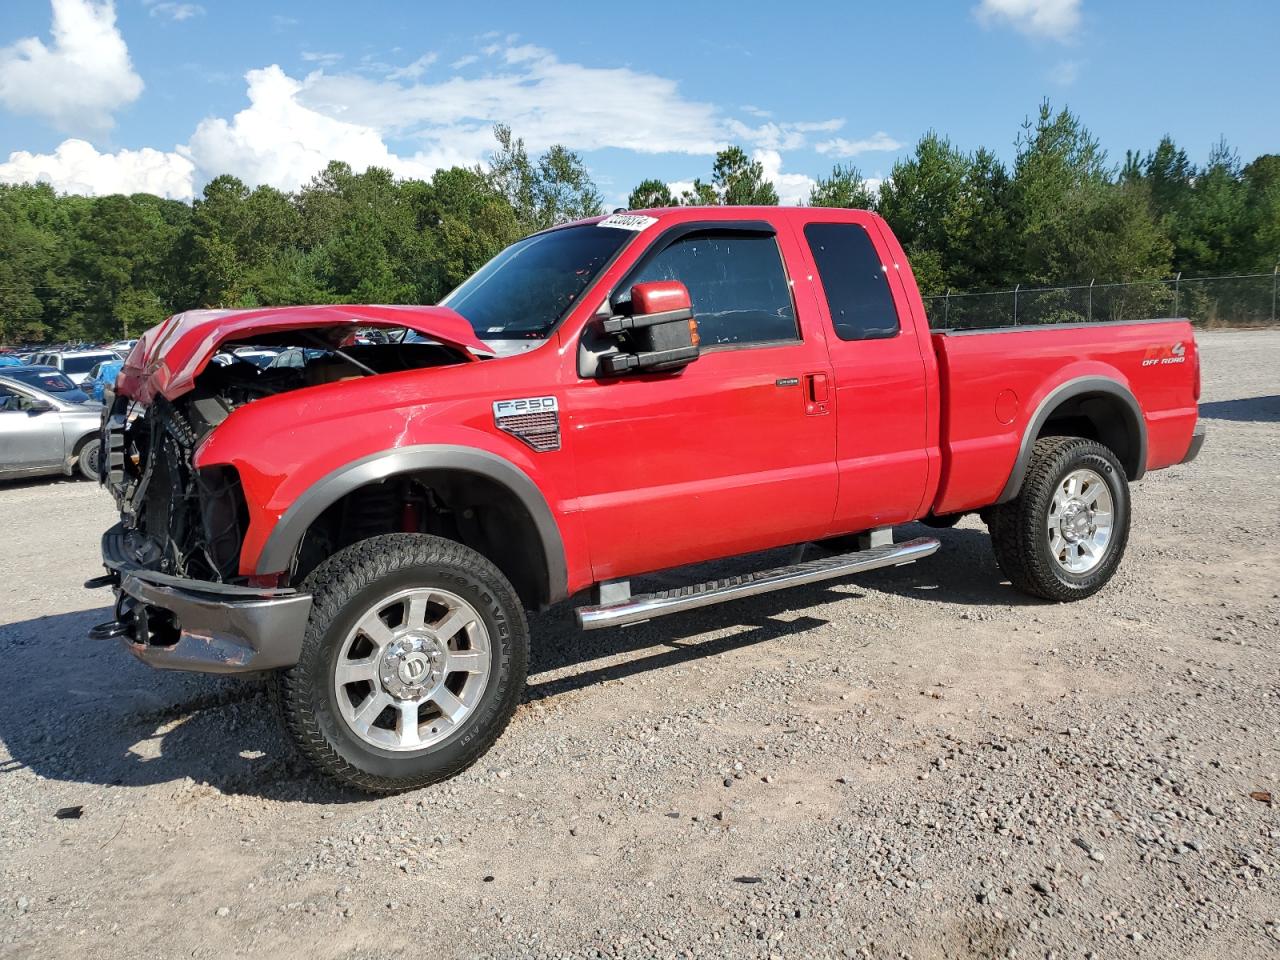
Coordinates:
x,y
75,451
1103,417
470,508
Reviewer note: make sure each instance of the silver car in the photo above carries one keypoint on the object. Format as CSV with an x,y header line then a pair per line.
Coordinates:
x,y
41,434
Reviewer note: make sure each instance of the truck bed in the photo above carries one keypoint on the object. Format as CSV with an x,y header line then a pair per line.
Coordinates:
x,y
995,383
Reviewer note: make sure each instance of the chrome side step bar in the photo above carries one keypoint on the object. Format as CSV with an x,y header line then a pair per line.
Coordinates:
x,y
650,605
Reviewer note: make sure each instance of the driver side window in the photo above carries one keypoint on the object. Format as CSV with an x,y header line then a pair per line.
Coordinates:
x,y
11,401
737,285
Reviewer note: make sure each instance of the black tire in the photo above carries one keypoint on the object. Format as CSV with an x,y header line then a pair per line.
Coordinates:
x,y
345,587
1018,528
87,458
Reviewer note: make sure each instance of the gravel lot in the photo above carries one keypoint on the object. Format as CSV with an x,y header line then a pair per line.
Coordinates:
x,y
915,763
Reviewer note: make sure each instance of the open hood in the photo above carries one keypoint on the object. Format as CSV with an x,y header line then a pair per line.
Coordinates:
x,y
167,358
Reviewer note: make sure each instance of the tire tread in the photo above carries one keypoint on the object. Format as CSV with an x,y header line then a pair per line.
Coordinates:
x,y
336,581
1016,526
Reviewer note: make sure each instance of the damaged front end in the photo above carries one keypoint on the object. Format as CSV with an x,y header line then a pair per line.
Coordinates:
x,y
173,557
173,560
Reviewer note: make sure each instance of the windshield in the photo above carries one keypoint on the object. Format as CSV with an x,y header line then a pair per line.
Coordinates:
x,y
49,380
86,363
523,292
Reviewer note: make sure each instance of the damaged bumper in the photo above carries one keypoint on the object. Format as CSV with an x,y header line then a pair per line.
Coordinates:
x,y
177,623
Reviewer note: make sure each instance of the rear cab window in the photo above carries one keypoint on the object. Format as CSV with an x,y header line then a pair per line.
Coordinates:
x,y
737,284
855,281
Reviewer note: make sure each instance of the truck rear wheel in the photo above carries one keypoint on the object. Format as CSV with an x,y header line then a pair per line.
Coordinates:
x,y
1064,534
412,663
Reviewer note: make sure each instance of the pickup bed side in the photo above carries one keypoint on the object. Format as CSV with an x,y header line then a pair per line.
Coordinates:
x,y
1113,382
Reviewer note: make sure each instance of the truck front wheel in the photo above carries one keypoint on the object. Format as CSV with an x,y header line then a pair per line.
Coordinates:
x,y
412,663
1064,534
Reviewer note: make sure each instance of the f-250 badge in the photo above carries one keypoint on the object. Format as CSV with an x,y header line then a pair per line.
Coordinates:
x,y
1159,356
535,420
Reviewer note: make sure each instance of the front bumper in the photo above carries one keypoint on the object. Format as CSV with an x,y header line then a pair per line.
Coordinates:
x,y
1197,441
177,623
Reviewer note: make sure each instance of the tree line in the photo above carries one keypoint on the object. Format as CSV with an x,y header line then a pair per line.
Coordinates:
x,y
94,268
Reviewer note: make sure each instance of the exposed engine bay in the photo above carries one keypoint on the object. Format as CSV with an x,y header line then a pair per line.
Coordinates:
x,y
186,522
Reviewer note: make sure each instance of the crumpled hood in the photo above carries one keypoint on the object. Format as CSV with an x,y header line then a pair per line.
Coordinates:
x,y
167,358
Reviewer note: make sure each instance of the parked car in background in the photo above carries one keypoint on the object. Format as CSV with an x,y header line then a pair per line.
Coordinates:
x,y
101,378
10,360
40,434
49,379
122,347
76,364
296,358
259,358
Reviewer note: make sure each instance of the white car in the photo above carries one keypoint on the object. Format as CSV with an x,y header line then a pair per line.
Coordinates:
x,y
75,364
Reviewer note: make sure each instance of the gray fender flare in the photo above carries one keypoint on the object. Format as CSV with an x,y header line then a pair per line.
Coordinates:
x,y
285,538
1078,387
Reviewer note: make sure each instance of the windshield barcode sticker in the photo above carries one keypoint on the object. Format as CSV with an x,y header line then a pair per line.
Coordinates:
x,y
628,221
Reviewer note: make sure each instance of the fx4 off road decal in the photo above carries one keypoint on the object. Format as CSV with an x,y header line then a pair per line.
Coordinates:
x,y
535,420
1160,356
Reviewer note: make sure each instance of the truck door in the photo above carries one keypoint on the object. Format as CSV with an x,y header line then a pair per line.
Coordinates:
x,y
880,376
726,456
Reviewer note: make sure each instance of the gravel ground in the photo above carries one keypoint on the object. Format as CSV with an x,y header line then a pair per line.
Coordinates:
x,y
916,763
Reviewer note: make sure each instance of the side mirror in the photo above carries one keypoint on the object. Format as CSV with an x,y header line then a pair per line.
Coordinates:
x,y
658,333
40,406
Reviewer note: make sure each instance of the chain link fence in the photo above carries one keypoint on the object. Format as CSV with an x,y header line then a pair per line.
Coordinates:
x,y
1248,300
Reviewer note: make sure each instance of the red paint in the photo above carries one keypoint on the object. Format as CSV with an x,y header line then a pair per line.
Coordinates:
x,y
167,358
659,296
742,450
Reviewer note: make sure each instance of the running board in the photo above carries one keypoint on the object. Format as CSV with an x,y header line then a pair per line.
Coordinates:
x,y
650,605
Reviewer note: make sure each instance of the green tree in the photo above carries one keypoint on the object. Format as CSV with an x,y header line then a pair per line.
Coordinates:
x,y
845,187
1262,188
563,189
700,195
649,194
947,209
740,181
1070,220
555,189
1210,231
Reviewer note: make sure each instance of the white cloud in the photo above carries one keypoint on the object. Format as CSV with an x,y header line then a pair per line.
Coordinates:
x,y
414,70
793,188
1055,19
293,126
544,100
278,141
677,187
324,59
1065,73
466,61
76,167
174,11
79,81
782,136
840,147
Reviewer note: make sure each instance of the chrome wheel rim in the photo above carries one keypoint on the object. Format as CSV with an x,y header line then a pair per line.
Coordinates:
x,y
412,669
1081,517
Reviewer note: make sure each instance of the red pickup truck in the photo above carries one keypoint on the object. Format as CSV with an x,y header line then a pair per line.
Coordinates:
x,y
368,517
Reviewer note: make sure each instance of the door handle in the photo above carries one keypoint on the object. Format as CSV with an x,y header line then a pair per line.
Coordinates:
x,y
817,394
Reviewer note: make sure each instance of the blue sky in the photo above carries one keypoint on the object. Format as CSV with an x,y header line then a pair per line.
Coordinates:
x,y
160,95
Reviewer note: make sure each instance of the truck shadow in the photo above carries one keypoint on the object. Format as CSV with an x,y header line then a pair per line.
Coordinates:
x,y
1248,409
963,571
76,711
